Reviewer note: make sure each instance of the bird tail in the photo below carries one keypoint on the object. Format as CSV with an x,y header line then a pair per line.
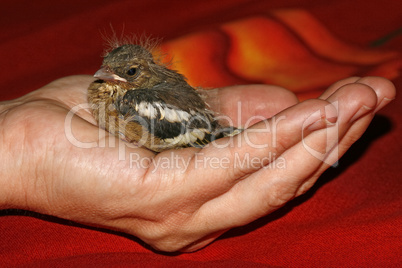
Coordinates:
x,y
227,132
219,133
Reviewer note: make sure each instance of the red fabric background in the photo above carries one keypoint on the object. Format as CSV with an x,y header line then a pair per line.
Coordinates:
x,y
351,217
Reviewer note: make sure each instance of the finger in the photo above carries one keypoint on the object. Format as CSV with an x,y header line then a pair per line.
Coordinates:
x,y
378,88
237,103
269,188
383,89
221,165
347,98
334,87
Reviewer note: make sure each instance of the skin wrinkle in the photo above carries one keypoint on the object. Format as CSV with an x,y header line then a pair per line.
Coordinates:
x,y
44,155
18,149
3,157
234,151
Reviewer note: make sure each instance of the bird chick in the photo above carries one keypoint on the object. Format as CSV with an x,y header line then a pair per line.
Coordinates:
x,y
142,101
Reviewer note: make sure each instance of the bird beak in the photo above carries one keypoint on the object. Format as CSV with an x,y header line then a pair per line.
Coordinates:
x,y
105,73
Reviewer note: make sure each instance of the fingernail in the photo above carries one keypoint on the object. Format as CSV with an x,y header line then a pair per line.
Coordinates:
x,y
382,104
362,111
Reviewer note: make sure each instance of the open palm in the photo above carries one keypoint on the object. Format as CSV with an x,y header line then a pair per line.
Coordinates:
x,y
60,163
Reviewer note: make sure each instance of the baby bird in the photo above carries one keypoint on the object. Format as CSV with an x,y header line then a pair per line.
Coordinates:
x,y
140,100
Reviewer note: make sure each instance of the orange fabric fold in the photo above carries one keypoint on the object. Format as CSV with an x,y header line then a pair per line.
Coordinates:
x,y
289,48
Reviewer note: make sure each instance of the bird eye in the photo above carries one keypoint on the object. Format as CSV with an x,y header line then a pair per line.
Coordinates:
x,y
132,71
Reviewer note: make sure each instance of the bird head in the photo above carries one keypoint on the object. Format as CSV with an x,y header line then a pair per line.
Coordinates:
x,y
129,63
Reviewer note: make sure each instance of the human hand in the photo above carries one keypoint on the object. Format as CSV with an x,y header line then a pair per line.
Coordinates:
x,y
178,199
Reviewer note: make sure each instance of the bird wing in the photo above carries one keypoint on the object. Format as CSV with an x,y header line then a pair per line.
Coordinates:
x,y
171,124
